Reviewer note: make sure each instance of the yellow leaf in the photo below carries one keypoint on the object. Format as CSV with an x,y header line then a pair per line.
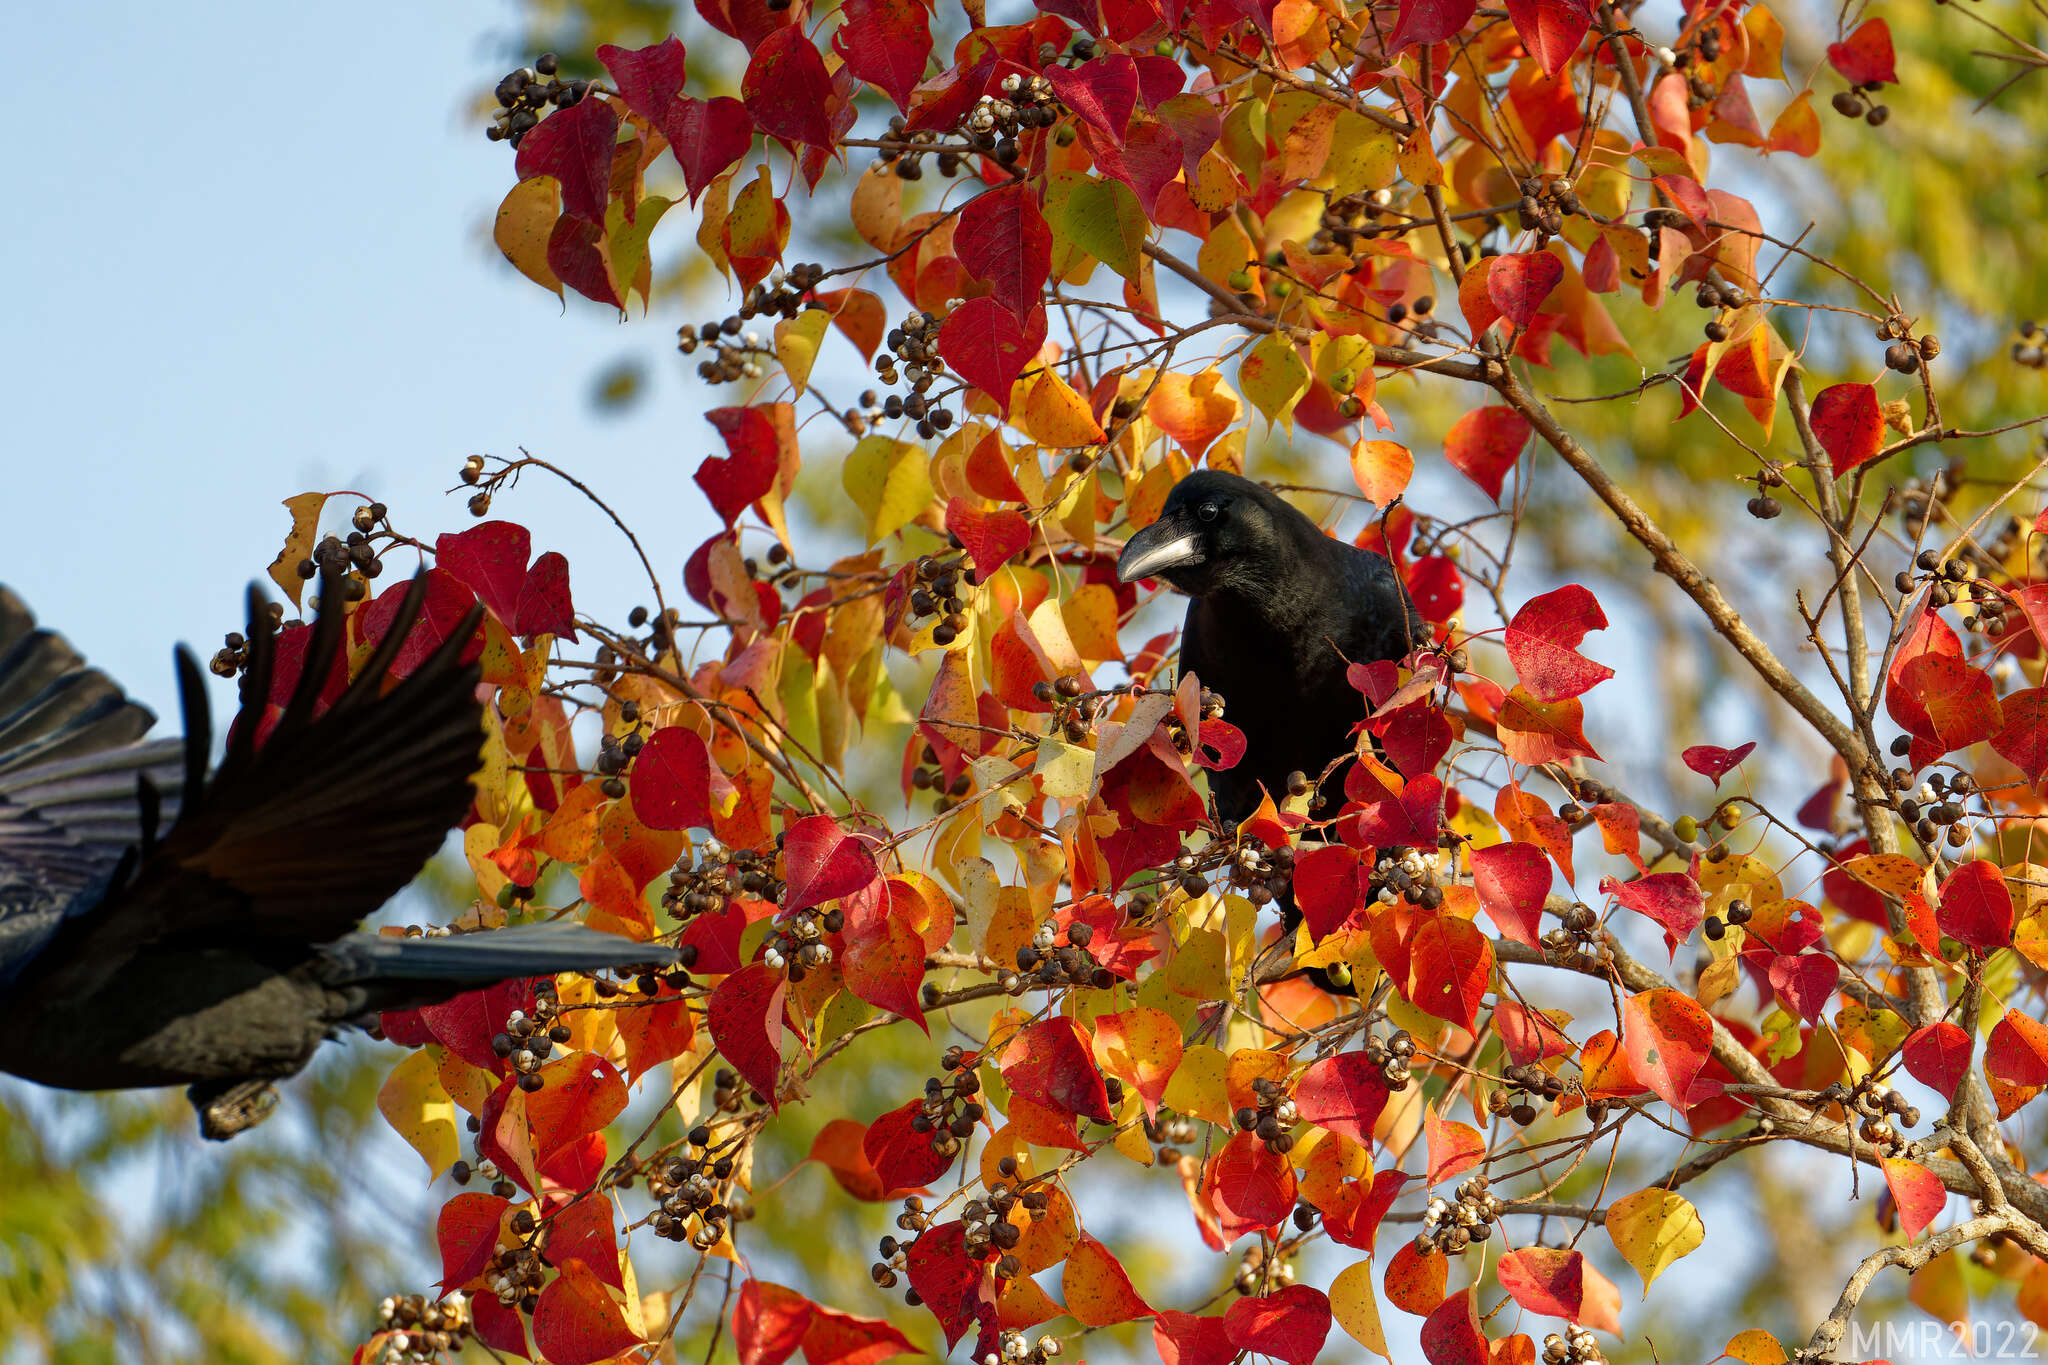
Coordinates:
x,y
414,1103
479,841
1355,1305
711,224
1198,1088
1054,415
1755,1347
298,543
526,219
796,344
1418,162
628,242
1362,157
1274,378
890,481
1063,769
1090,615
878,208
1653,1228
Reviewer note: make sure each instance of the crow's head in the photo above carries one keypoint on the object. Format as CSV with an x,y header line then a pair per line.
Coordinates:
x,y
1218,532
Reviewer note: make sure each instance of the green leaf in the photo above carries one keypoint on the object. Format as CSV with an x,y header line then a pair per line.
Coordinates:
x,y
1104,219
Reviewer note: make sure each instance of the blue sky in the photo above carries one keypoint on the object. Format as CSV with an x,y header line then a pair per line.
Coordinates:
x,y
225,299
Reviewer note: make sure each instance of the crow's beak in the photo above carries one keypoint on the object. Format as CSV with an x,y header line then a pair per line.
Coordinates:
x,y
1161,546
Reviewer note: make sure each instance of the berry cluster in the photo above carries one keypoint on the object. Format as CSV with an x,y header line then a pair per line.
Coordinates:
x,y
1877,1105
1940,804
1851,103
996,121
1260,874
1393,1055
486,1169
915,343
1450,1226
1407,874
1170,1134
1046,965
1521,1086
1074,707
1905,352
785,293
1347,221
1573,1347
422,1328
1261,1270
798,942
2031,350
529,1040
353,556
1718,296
526,95
736,351
687,1188
719,875
1738,915
988,1230
1272,1119
1917,497
473,474
1544,206
940,592
1578,926
726,1095
1763,506
950,1111
1013,1349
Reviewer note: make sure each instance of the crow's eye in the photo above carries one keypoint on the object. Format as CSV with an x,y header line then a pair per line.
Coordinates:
x,y
1208,511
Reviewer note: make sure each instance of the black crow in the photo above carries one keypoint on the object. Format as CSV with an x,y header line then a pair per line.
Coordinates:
x,y
160,925
1279,612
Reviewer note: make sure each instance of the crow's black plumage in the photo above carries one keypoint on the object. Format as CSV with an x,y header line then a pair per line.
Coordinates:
x,y
160,925
1279,611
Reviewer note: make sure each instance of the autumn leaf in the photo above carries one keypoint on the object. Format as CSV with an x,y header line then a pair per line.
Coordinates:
x,y
1652,1229
1484,444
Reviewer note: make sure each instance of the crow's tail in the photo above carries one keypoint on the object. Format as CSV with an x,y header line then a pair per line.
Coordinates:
x,y
466,961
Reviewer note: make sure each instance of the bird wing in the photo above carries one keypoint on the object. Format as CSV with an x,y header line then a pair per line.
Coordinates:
x,y
295,839
78,788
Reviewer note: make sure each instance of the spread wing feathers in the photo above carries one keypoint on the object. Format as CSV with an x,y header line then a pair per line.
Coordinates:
x,y
332,814
492,955
77,787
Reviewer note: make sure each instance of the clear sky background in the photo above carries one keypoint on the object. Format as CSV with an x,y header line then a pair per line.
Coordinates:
x,y
248,255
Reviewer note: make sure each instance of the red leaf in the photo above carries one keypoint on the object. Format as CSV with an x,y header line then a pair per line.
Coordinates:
x,y
1805,982
576,255
1666,1036
1518,284
579,1319
2022,739
1096,1287
1343,1094
466,1023
582,1094
490,560
583,1231
467,1233
1976,906
948,1282
886,967
788,90
886,43
748,471
1452,966
990,346
1103,92
769,1322
822,862
1713,762
1512,880
843,1339
1049,1063
1555,1282
745,1017
1848,424
2016,1053
1550,29
1451,1334
544,605
992,538
902,1157
1415,1283
712,136
671,781
1453,1147
1429,21
1327,888
1673,899
1529,1035
1543,639
649,79
1866,58
1938,1056
1413,818
1917,1191
1484,444
1005,242
1250,1187
1355,1220
1289,1324
574,145
1185,1339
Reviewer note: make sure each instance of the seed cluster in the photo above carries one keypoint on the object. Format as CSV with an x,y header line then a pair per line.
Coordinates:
x,y
530,1039
1348,221
1916,498
1853,103
692,1187
1877,1104
996,121
1578,926
1544,206
526,95
798,942
1393,1055
1170,1133
1738,912
950,1111
1272,1118
1012,1348
1573,1347
1046,964
1450,1226
516,1274
1521,1086
461,1172
1261,1270
2031,350
1938,807
940,593
423,1328
914,343
737,352
1906,353
720,874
